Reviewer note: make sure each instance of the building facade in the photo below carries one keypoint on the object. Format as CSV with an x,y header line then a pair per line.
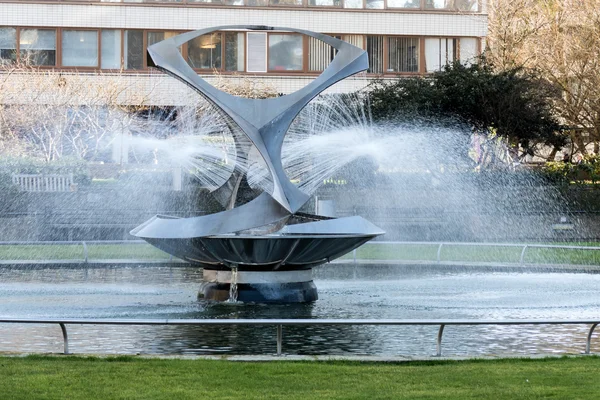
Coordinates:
x,y
402,37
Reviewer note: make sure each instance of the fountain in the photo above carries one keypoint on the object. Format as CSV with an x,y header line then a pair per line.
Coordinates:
x,y
262,250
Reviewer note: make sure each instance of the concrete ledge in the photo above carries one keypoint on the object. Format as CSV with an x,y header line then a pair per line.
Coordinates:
x,y
315,358
176,263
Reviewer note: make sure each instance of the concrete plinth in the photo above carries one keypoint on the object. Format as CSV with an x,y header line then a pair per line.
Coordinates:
x,y
260,287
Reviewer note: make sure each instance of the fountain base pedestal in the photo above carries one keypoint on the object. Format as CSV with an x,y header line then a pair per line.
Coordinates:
x,y
260,287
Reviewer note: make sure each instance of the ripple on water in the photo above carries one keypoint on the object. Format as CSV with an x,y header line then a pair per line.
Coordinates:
x,y
166,293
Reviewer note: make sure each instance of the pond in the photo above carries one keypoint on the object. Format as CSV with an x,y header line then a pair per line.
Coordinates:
x,y
361,292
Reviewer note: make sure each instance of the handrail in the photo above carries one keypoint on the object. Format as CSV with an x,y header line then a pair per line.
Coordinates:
x,y
355,258
280,323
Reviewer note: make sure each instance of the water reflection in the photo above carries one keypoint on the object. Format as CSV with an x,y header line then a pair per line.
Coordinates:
x,y
385,293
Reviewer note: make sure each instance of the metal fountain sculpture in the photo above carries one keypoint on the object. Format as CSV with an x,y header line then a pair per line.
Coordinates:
x,y
266,247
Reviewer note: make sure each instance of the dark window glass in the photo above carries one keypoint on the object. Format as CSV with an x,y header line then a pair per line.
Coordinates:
x,y
79,48
403,54
204,52
134,49
38,46
285,52
375,52
234,51
8,45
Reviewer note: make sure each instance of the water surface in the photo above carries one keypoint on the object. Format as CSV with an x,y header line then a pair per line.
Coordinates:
x,y
403,293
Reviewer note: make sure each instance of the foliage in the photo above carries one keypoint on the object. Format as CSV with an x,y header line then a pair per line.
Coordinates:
x,y
560,40
51,114
587,170
243,86
513,104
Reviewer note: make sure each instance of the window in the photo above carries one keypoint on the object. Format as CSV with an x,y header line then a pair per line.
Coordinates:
x,y
38,46
234,51
79,48
403,54
353,3
324,3
439,52
204,52
375,52
439,4
8,45
404,3
111,49
467,5
226,2
155,37
320,54
375,4
285,52
468,50
285,2
462,5
257,52
356,40
134,50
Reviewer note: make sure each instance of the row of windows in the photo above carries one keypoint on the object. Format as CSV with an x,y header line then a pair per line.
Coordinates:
x,y
254,52
446,5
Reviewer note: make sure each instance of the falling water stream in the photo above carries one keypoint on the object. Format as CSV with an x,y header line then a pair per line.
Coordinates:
x,y
233,286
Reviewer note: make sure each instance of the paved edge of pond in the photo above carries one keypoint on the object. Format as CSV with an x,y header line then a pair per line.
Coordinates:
x,y
466,265
316,358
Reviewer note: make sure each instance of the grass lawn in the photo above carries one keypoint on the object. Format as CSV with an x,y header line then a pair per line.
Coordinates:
x,y
39,377
369,251
142,251
428,252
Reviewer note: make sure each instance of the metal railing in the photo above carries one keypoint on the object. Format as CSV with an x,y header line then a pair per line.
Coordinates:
x,y
440,245
355,256
280,323
44,182
85,249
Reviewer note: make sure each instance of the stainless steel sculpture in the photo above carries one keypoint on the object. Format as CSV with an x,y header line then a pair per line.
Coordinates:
x,y
267,242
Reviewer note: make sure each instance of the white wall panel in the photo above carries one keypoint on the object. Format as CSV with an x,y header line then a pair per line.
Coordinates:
x,y
154,88
190,18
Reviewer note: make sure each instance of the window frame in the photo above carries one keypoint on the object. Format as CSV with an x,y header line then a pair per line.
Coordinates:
x,y
59,39
304,67
57,45
305,70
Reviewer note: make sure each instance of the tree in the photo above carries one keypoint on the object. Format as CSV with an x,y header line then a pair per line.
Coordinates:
x,y
512,103
49,115
560,40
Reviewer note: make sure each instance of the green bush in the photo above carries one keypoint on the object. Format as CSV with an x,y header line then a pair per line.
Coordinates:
x,y
584,172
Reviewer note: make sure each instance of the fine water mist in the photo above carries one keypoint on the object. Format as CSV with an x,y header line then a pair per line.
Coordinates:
x,y
438,178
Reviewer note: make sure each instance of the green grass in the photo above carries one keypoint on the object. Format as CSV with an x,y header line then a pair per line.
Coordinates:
x,y
428,252
38,377
369,251
75,252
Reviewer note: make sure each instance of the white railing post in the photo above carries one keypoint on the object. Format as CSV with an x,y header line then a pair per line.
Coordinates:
x,y
589,339
85,252
522,259
63,328
439,341
279,339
